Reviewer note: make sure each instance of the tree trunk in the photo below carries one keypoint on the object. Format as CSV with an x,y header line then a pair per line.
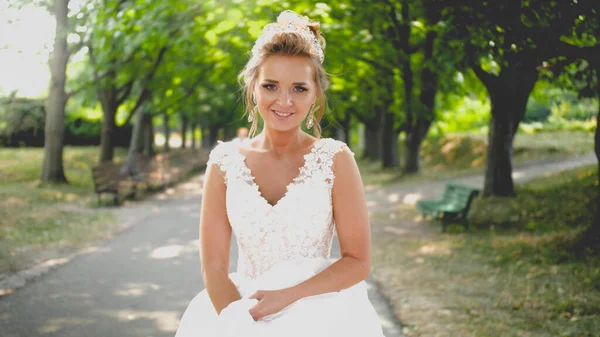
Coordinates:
x,y
136,145
509,97
389,140
167,131
213,135
498,174
340,134
414,140
184,127
52,169
404,46
205,138
426,110
193,134
592,235
229,133
395,150
372,142
345,129
108,98
594,231
148,136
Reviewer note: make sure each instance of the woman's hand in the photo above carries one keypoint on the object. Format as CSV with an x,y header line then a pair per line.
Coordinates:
x,y
270,302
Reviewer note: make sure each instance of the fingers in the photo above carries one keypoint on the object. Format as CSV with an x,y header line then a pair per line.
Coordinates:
x,y
257,295
255,312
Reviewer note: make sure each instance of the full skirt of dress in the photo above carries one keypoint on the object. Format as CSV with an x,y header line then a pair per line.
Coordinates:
x,y
345,313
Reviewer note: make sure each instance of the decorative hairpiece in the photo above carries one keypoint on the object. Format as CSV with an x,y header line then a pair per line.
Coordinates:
x,y
291,26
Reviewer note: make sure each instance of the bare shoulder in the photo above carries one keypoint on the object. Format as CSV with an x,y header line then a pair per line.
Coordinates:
x,y
343,157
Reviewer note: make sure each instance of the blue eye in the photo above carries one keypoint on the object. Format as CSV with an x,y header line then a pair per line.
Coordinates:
x,y
301,89
269,86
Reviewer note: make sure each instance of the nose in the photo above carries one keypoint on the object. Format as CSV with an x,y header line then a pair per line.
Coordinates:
x,y
285,99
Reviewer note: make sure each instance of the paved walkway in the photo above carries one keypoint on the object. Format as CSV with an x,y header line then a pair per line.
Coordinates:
x,y
385,198
139,283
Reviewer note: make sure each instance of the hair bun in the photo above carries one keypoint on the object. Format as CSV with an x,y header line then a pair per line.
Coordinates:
x,y
291,17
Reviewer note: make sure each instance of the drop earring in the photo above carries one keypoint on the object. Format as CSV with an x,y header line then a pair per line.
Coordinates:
x,y
310,120
254,111
251,115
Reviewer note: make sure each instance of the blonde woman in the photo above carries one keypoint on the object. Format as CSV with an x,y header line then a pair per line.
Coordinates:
x,y
283,195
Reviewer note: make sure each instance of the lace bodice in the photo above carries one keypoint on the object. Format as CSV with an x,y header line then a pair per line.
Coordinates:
x,y
299,225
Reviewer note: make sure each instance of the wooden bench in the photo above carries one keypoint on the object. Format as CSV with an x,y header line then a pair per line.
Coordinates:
x,y
114,178
139,172
107,178
453,205
163,170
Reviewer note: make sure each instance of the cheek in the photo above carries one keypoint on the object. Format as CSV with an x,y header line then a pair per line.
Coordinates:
x,y
309,100
266,98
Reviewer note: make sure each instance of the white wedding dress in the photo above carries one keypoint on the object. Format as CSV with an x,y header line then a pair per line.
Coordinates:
x,y
280,246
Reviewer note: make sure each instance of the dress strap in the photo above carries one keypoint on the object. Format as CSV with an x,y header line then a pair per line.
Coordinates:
x,y
220,155
322,160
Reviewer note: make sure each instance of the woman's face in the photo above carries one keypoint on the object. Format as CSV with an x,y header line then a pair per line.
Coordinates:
x,y
285,91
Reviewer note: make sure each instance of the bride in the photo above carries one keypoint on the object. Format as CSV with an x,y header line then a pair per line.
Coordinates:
x,y
282,195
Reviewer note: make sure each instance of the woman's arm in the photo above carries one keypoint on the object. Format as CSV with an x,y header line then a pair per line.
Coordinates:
x,y
353,230
215,241
352,223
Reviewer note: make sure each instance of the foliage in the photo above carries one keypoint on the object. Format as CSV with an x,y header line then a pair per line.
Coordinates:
x,y
549,109
207,44
468,114
579,110
21,122
548,99
460,154
536,111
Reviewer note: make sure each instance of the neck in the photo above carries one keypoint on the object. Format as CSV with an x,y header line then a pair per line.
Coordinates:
x,y
281,142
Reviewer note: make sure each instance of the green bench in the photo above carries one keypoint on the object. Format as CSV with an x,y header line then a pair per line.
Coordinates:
x,y
453,205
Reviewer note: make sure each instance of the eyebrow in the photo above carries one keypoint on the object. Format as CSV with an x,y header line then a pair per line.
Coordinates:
x,y
295,83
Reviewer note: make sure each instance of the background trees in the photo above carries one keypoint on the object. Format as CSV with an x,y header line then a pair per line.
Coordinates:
x,y
399,68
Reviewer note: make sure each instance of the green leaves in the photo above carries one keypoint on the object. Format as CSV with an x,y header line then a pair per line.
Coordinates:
x,y
206,44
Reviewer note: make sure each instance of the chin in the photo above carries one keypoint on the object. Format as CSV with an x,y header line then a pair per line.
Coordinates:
x,y
282,127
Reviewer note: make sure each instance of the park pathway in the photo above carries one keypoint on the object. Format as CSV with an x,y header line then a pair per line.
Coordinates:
x,y
382,199
139,283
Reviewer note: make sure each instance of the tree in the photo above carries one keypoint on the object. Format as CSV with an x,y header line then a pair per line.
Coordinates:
x,y
127,44
404,41
505,43
52,167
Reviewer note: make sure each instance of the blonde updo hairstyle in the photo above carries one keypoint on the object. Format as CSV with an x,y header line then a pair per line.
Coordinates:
x,y
287,43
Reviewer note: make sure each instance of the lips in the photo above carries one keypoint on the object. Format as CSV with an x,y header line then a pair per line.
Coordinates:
x,y
282,114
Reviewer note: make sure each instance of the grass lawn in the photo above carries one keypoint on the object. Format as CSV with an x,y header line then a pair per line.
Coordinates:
x,y
459,154
33,217
513,276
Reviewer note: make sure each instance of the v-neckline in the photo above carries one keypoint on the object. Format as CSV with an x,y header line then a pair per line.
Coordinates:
x,y
287,187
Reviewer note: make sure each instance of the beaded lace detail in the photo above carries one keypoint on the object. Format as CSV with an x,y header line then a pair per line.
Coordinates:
x,y
300,225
